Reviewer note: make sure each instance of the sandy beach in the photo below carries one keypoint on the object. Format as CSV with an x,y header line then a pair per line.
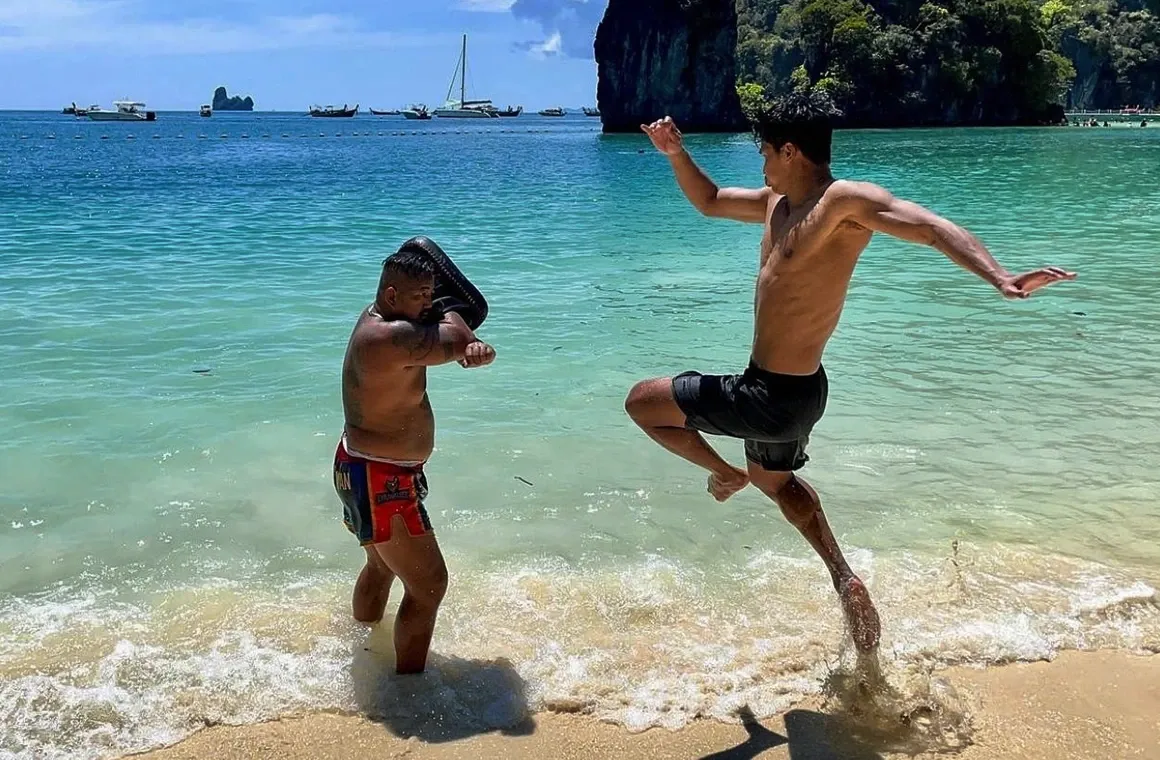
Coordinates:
x,y
1080,705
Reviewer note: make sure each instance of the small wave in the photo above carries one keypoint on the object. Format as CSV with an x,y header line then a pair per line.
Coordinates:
x,y
653,642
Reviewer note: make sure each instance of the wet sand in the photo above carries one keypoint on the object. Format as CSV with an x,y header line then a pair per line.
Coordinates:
x,y
1080,705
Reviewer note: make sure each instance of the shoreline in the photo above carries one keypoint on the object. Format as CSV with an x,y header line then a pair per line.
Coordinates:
x,y
1098,704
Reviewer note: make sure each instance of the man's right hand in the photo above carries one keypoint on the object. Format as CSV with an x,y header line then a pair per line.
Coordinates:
x,y
665,136
477,354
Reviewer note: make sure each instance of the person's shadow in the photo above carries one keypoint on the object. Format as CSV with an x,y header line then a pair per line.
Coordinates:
x,y
453,699
811,736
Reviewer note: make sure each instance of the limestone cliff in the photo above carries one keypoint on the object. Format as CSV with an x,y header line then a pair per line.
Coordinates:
x,y
668,57
223,102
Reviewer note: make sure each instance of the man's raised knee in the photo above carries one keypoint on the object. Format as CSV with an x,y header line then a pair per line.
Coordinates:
x,y
651,404
636,402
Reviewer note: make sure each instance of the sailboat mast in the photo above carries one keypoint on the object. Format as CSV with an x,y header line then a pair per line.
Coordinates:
x,y
463,81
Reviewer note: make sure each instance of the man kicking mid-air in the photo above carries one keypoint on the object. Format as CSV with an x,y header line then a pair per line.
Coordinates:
x,y
815,228
388,435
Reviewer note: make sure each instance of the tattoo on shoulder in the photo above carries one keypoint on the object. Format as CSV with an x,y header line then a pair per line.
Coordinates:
x,y
417,341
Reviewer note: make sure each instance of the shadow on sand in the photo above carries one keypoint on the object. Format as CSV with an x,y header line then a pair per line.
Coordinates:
x,y
454,699
869,709
810,736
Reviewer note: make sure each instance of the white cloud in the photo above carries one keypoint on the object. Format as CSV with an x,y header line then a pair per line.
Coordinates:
x,y
109,24
486,6
549,47
573,21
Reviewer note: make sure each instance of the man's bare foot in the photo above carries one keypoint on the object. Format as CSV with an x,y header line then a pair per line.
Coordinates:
x,y
724,486
861,616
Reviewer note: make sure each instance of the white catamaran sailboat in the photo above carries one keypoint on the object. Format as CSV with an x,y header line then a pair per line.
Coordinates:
x,y
464,108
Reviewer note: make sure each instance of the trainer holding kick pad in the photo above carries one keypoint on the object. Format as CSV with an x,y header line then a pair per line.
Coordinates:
x,y
815,228
425,313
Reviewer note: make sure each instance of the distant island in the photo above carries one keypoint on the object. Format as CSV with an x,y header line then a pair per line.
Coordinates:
x,y
223,102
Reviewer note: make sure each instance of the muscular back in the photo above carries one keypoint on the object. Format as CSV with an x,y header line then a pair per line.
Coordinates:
x,y
807,259
385,403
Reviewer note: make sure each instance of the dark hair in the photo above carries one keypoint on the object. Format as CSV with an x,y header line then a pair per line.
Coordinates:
x,y
803,117
406,263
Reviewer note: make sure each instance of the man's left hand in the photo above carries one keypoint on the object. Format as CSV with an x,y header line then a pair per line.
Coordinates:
x,y
477,354
1022,285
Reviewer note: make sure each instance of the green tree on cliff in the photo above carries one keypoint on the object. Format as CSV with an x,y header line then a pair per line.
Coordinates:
x,y
953,61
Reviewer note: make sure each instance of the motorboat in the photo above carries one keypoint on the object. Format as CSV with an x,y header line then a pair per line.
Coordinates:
x,y
417,111
127,110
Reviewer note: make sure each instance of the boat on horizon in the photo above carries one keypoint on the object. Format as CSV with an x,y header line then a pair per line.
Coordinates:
x,y
127,110
331,111
553,111
206,110
464,108
591,111
510,112
390,112
417,111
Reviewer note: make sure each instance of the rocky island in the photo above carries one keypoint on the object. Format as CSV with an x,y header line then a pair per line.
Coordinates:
x,y
223,102
886,63
674,57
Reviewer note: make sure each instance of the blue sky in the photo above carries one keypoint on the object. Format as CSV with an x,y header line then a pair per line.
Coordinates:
x,y
290,54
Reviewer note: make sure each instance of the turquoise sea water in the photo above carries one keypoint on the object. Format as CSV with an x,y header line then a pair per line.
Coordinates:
x,y
172,546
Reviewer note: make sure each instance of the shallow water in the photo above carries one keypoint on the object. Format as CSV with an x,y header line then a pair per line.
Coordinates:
x,y
173,546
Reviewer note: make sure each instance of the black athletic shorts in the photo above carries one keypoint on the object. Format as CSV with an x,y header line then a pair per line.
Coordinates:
x,y
773,413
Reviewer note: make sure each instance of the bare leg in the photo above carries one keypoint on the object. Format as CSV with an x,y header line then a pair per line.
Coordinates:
x,y
651,406
372,589
418,563
801,506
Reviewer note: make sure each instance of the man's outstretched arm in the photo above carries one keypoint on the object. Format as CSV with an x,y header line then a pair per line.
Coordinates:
x,y
876,209
737,203
740,204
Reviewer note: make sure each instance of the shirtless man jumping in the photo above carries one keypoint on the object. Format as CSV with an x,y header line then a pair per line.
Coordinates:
x,y
388,436
815,228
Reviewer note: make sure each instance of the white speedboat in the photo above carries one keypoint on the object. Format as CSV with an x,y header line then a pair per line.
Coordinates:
x,y
127,110
464,108
417,111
